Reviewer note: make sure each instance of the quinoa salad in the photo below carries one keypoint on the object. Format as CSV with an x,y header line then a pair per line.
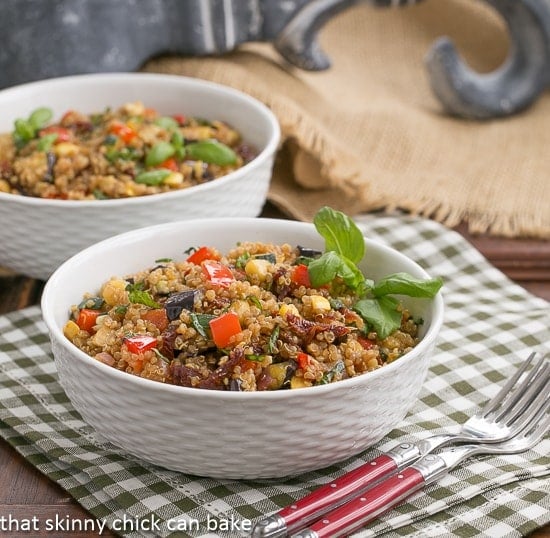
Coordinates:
x,y
132,151
259,317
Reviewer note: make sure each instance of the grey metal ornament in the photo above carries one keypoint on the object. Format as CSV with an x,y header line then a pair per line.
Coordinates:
x,y
47,38
513,86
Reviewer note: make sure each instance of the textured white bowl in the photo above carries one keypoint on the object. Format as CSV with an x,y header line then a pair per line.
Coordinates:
x,y
37,235
230,434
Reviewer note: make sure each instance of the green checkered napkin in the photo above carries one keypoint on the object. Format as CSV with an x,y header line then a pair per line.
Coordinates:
x,y
491,325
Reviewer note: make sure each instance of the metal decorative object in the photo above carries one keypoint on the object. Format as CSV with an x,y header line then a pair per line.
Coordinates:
x,y
516,84
46,38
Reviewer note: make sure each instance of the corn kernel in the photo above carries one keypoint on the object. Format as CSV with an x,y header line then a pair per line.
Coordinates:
x,y
320,304
173,180
71,329
134,109
298,383
287,309
4,186
114,292
242,309
257,268
65,149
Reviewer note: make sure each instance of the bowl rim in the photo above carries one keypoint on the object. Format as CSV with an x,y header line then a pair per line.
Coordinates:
x,y
255,104
56,332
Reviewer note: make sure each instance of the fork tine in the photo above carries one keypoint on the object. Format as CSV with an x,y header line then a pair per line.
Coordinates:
x,y
540,400
509,392
505,390
538,378
537,428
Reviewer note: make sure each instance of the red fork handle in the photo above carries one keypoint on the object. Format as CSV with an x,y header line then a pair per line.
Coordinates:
x,y
364,508
335,493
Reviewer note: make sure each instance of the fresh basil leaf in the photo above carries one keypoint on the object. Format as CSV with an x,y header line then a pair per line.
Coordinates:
x,y
352,275
46,142
330,265
24,131
40,117
211,151
201,323
381,314
324,269
159,153
153,177
166,122
405,284
143,297
340,233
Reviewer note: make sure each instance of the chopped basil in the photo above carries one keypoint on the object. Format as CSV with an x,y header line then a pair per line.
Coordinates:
x,y
337,369
137,294
143,297
254,357
254,299
92,303
161,356
242,259
201,323
272,344
269,256
163,260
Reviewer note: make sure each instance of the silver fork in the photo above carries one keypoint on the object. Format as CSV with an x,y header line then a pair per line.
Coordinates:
x,y
500,419
391,492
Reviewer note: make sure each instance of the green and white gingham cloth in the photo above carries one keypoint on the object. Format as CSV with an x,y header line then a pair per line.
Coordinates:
x,y
491,325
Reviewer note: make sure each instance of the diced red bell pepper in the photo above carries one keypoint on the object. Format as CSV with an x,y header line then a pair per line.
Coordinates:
x,y
169,164
87,319
303,360
140,343
217,272
201,254
123,131
300,276
180,118
63,135
224,327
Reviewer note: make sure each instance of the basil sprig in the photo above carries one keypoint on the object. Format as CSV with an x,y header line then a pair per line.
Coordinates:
x,y
344,248
27,129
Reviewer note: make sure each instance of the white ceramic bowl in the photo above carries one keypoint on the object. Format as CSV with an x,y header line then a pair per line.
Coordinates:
x,y
37,235
230,434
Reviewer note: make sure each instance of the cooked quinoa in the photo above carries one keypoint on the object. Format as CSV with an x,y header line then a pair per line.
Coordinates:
x,y
247,320
132,151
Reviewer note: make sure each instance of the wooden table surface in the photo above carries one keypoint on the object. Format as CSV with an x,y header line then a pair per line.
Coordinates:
x,y
25,493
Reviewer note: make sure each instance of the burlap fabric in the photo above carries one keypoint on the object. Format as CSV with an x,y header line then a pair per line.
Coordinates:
x,y
369,133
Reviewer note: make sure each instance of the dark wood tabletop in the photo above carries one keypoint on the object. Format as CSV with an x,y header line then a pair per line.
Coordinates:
x,y
26,493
